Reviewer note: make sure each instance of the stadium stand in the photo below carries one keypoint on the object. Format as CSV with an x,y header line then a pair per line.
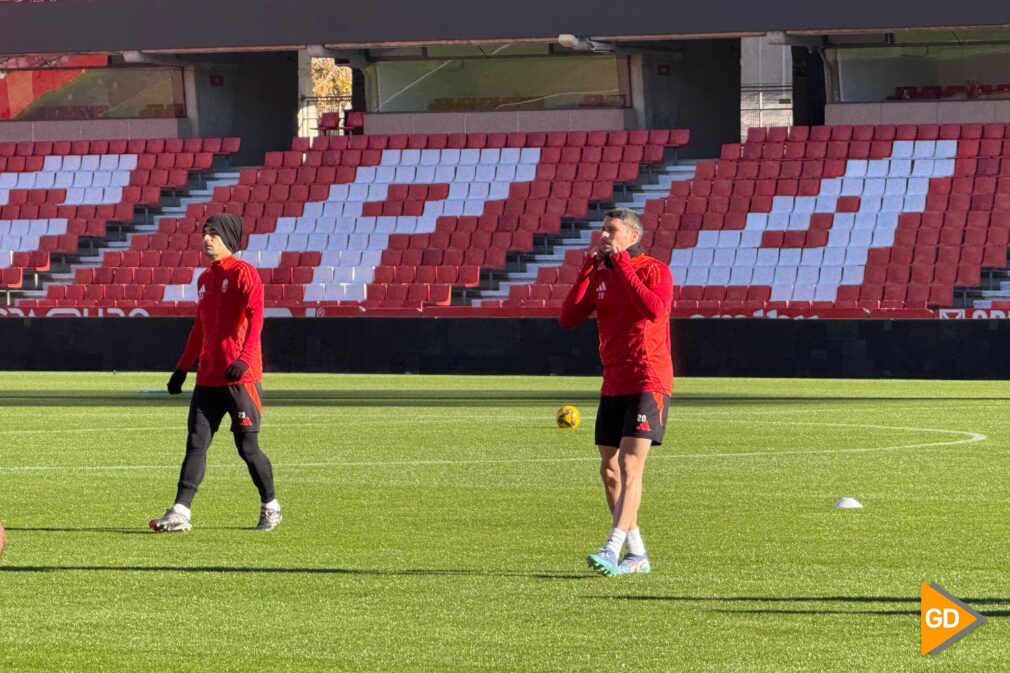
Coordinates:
x,y
375,221
834,221
57,196
842,221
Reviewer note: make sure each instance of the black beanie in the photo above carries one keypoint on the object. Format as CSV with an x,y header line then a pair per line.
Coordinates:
x,y
229,228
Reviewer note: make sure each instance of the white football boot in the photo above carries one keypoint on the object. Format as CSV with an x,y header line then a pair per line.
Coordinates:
x,y
171,522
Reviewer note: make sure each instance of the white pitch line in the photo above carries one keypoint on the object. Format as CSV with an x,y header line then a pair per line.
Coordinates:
x,y
967,438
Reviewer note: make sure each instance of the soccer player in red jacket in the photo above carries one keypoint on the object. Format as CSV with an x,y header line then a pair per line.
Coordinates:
x,y
224,346
631,294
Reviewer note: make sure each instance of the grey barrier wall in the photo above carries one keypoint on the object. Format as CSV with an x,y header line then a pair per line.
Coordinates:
x,y
956,349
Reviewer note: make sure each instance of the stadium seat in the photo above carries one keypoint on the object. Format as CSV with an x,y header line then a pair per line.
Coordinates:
x,y
421,212
811,216
61,191
792,217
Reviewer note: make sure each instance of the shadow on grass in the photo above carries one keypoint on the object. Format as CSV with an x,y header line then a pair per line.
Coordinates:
x,y
436,398
912,613
106,529
815,610
110,529
243,570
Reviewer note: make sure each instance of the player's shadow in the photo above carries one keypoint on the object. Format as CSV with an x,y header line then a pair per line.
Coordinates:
x,y
817,608
247,570
93,529
112,529
124,531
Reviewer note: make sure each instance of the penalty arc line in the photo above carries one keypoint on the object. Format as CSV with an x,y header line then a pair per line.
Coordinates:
x,y
967,438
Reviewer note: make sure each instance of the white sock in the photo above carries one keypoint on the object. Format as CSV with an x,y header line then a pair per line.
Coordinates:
x,y
182,509
273,504
635,544
616,540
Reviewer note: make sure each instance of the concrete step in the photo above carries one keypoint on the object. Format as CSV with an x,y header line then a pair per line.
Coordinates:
x,y
192,197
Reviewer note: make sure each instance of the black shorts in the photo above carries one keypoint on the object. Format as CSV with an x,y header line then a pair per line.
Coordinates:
x,y
640,415
241,402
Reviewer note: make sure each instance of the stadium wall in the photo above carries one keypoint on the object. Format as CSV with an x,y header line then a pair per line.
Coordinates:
x,y
918,112
497,122
955,349
693,85
250,95
94,129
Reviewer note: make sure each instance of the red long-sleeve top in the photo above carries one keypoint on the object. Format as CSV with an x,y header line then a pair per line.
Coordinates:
x,y
229,323
632,298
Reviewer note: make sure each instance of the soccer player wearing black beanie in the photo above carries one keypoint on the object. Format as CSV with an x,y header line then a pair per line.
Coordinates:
x,y
224,346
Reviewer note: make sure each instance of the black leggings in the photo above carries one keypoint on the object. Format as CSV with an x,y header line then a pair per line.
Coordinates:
x,y
195,464
207,409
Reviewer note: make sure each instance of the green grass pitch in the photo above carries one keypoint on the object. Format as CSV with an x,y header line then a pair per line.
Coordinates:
x,y
441,524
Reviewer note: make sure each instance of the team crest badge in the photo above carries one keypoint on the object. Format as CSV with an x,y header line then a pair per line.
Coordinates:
x,y
224,285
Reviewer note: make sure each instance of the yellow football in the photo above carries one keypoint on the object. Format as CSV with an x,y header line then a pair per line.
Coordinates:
x,y
567,417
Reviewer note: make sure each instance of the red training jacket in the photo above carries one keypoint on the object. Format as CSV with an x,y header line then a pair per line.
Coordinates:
x,y
632,299
229,322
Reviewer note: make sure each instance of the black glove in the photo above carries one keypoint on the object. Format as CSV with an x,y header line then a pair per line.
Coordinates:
x,y
175,383
236,370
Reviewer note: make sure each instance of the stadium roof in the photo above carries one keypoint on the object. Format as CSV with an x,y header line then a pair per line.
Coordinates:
x,y
70,26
